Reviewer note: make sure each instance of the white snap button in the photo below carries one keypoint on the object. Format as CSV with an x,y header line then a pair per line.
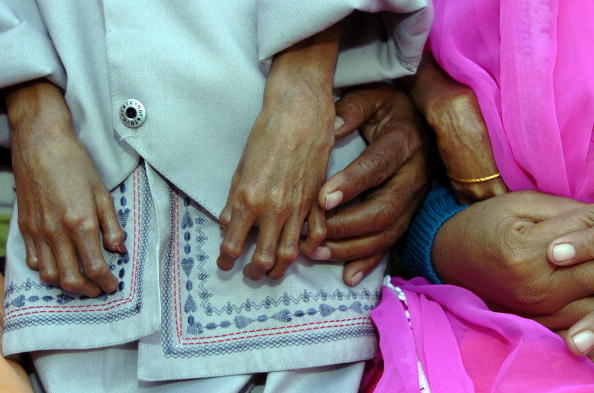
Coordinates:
x,y
132,113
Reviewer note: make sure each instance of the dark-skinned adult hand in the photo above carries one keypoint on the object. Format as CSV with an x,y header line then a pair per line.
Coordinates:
x,y
498,249
390,178
63,206
452,111
568,250
284,161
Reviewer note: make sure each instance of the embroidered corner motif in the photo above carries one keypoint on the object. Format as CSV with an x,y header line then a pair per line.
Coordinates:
x,y
33,302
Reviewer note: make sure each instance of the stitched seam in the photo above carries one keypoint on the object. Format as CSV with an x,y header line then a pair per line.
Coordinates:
x,y
279,333
277,328
97,307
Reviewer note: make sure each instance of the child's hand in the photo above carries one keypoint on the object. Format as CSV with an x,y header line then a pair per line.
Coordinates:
x,y
284,161
63,206
276,182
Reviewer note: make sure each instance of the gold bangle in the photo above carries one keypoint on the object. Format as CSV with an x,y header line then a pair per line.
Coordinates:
x,y
477,179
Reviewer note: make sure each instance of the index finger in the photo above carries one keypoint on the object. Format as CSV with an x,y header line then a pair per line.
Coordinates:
x,y
382,207
232,245
379,161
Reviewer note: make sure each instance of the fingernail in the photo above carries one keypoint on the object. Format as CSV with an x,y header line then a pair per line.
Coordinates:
x,y
333,199
321,254
338,122
122,249
356,278
563,252
583,341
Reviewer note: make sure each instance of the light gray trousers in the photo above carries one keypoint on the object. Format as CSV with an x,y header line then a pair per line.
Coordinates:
x,y
114,370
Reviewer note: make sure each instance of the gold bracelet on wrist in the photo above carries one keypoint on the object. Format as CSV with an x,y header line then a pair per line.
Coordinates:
x,y
476,180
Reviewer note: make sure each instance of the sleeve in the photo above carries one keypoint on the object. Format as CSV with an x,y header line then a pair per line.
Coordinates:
x,y
27,51
415,254
382,39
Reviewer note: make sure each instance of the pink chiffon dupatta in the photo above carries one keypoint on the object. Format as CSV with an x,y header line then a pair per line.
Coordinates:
x,y
465,348
531,66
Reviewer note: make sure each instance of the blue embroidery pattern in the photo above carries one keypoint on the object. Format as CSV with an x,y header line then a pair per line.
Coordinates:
x,y
54,295
197,297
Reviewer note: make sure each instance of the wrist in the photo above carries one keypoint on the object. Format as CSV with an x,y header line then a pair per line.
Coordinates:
x,y
37,107
306,68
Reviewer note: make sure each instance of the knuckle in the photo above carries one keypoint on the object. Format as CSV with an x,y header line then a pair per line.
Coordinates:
x,y
80,223
385,215
264,261
516,261
49,276
97,271
587,218
231,249
104,199
32,263
463,99
351,105
112,237
339,229
319,232
288,254
375,162
250,198
525,197
49,231
531,294
72,283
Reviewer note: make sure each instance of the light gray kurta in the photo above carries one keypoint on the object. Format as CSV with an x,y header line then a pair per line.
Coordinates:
x,y
200,71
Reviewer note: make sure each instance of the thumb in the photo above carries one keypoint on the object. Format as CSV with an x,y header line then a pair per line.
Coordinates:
x,y
578,245
580,337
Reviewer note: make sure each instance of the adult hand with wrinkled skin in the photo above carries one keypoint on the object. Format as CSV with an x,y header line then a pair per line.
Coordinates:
x,y
390,178
284,161
497,248
63,206
452,111
569,250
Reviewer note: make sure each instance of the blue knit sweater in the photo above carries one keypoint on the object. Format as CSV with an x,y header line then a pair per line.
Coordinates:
x,y
439,206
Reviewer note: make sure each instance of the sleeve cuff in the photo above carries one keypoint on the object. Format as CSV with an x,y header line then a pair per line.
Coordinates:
x,y
387,45
439,206
27,50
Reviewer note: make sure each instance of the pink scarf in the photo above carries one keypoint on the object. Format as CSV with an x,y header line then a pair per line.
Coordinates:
x,y
465,348
531,65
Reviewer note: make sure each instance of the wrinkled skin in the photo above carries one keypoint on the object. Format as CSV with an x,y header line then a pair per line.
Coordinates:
x,y
63,207
498,249
452,111
284,162
390,179
581,246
